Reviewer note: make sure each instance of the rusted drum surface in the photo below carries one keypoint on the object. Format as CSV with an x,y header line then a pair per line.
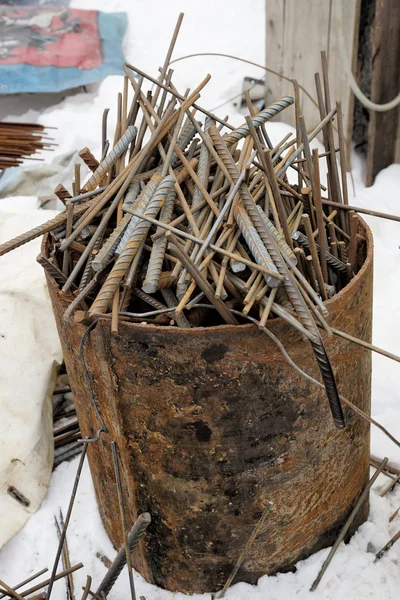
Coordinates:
x,y
212,424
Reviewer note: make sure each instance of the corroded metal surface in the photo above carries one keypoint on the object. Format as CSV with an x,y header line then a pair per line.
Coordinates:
x,y
211,425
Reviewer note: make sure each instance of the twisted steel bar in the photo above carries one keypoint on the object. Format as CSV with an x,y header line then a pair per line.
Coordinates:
x,y
109,247
279,239
122,264
137,532
334,262
262,117
111,159
186,135
254,243
150,284
36,232
90,161
293,292
141,204
199,241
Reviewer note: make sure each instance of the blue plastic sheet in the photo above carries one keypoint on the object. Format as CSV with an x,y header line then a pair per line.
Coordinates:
x,y
53,48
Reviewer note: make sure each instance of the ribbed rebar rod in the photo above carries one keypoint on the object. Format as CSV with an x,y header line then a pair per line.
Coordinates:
x,y
36,232
265,115
113,280
141,204
150,284
279,239
111,159
135,535
111,244
334,262
363,496
306,319
294,294
90,161
203,168
172,302
254,243
185,137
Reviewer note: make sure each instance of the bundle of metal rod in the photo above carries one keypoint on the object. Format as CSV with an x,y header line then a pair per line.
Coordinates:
x,y
19,141
66,430
205,210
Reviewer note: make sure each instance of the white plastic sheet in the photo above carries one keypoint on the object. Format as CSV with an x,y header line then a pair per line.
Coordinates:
x,y
29,355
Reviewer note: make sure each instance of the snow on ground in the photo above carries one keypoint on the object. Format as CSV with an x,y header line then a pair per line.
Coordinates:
x,y
233,27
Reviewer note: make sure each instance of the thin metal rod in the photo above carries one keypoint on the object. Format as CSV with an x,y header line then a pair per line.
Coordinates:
x,y
387,546
46,582
192,238
67,519
175,93
363,211
123,519
245,550
22,583
364,344
348,523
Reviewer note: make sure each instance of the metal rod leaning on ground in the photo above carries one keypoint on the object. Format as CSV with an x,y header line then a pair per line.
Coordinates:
x,y
87,587
387,546
375,462
11,592
123,519
245,550
135,535
43,584
390,486
65,557
348,523
67,519
28,580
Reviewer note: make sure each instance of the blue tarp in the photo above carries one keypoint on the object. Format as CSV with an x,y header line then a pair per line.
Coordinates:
x,y
51,48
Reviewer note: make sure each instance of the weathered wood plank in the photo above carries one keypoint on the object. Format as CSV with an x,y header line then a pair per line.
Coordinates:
x,y
296,32
385,83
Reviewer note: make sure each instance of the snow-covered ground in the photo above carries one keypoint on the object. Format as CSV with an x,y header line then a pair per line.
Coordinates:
x,y
232,27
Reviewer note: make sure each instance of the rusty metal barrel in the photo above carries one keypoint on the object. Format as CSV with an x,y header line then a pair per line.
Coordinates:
x,y
212,425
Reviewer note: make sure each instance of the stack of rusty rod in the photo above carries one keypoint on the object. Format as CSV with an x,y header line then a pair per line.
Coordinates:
x,y
19,141
188,221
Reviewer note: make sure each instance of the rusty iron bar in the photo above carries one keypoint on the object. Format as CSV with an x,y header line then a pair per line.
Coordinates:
x,y
262,117
137,533
28,580
111,159
67,520
387,546
348,523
